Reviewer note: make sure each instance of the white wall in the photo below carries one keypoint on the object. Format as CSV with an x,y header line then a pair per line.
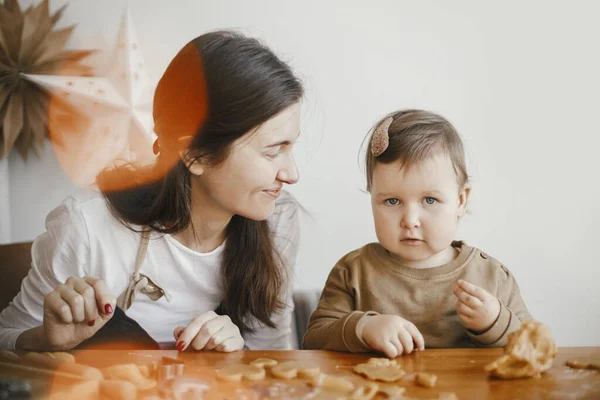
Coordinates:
x,y
518,79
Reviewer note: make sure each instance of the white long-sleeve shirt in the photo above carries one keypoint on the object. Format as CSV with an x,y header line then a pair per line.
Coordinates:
x,y
82,238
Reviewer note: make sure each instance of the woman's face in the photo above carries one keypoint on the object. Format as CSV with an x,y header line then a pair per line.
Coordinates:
x,y
259,164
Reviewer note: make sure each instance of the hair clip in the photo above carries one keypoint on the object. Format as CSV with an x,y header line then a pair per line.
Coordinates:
x,y
381,139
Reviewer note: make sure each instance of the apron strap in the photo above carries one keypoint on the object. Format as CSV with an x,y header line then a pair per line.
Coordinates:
x,y
140,282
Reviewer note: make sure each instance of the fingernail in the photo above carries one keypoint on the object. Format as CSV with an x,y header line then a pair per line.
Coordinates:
x,y
91,322
180,345
108,309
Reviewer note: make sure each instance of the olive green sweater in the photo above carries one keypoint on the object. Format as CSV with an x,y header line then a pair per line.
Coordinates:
x,y
369,281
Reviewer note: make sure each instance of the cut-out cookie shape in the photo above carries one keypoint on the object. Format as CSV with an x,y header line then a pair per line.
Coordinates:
x,y
529,352
236,372
585,363
264,362
365,392
425,379
292,369
333,383
392,392
380,369
131,373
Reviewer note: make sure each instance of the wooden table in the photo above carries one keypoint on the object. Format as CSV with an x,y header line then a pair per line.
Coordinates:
x,y
458,370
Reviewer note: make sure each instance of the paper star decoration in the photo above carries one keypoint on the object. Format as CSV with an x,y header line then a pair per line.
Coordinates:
x,y
117,121
29,44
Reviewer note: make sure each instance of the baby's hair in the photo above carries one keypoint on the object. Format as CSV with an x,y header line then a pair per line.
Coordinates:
x,y
412,137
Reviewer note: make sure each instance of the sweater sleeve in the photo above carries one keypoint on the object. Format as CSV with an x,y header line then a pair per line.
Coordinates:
x,y
60,252
335,324
285,226
513,311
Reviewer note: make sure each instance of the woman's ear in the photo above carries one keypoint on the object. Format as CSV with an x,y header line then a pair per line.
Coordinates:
x,y
463,200
193,164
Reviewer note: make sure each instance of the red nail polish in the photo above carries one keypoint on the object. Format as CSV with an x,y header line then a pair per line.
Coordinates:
x,y
108,309
180,345
92,322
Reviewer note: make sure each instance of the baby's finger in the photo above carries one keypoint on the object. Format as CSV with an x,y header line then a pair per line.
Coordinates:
x,y
390,349
465,320
465,310
398,345
416,336
473,290
406,340
468,300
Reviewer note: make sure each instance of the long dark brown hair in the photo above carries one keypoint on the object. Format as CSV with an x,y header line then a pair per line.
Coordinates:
x,y
219,87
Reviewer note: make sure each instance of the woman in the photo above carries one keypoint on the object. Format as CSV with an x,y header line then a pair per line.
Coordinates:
x,y
207,228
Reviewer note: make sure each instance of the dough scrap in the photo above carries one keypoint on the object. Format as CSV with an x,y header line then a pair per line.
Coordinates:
x,y
380,369
529,352
585,363
425,379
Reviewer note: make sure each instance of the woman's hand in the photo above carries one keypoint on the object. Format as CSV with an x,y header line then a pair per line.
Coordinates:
x,y
209,332
73,312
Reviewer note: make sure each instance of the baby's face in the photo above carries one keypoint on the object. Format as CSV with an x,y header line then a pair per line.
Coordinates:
x,y
416,210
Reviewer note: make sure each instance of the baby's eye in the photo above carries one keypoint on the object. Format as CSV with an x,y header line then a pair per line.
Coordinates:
x,y
430,200
392,202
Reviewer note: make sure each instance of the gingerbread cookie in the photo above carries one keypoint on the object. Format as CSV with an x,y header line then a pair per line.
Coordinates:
x,y
425,379
236,372
585,363
264,362
292,369
529,352
380,369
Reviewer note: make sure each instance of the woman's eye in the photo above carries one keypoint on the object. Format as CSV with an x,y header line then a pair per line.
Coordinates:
x,y
272,156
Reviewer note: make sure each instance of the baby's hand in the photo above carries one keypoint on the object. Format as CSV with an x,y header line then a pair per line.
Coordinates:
x,y
392,335
477,309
